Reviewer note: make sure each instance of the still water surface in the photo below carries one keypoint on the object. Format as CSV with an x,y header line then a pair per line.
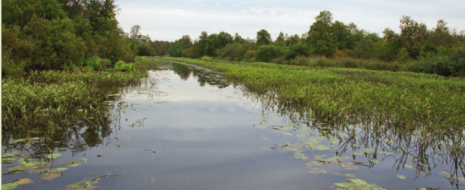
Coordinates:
x,y
189,128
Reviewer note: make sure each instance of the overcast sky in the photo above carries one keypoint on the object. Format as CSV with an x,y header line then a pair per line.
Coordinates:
x,y
169,20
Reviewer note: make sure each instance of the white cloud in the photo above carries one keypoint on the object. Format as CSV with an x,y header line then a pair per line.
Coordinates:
x,y
169,20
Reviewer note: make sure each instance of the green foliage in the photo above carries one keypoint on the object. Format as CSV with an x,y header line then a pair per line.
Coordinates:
x,y
453,65
122,66
206,58
411,99
263,38
266,53
234,51
93,63
52,34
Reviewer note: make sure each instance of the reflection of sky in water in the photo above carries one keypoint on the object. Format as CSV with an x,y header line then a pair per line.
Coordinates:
x,y
205,137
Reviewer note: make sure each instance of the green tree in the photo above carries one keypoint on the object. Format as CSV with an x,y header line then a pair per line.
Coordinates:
x,y
320,37
280,41
412,35
263,38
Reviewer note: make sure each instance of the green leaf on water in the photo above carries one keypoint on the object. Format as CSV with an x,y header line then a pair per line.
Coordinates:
x,y
350,166
57,170
300,155
287,133
8,159
317,171
85,160
18,141
9,186
408,166
401,176
322,147
355,184
54,155
368,150
350,175
261,127
266,139
8,155
374,160
358,153
87,184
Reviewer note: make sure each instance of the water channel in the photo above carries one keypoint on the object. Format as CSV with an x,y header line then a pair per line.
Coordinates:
x,y
187,127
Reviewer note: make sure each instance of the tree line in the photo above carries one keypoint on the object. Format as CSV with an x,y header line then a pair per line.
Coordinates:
x,y
332,39
60,34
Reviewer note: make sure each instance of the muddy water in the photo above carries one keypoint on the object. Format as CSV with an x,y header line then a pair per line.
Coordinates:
x,y
189,128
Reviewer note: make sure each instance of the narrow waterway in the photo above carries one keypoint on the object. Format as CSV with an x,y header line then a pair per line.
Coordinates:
x,y
187,127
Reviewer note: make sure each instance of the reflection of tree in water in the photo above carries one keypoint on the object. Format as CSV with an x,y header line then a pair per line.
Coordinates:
x,y
427,146
203,76
182,70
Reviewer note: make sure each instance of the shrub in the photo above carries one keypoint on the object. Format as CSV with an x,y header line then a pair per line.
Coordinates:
x,y
121,66
266,53
92,63
338,54
249,55
296,50
453,65
206,58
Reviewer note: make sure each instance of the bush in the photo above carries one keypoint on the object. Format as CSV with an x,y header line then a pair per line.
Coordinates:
x,y
92,63
249,55
266,53
453,65
121,66
206,58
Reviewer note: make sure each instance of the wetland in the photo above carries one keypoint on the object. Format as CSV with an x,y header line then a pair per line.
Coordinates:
x,y
193,124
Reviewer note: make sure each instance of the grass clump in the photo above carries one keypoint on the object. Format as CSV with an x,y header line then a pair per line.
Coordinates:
x,y
206,58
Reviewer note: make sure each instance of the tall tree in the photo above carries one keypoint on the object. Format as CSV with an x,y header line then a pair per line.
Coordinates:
x,y
280,41
263,38
320,37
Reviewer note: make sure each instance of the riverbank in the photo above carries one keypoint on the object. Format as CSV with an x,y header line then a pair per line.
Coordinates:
x,y
415,101
60,97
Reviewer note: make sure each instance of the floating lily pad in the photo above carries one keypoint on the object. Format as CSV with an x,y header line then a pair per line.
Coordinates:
x,y
317,171
261,127
9,186
350,175
408,166
50,176
23,181
8,159
350,166
374,160
355,184
300,155
368,150
54,155
401,176
8,155
87,184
